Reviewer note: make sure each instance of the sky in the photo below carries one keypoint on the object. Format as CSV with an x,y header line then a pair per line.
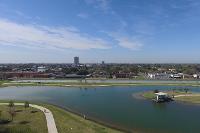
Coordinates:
x,y
114,31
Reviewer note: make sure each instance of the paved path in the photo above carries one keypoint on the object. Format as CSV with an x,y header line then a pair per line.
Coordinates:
x,y
48,114
188,95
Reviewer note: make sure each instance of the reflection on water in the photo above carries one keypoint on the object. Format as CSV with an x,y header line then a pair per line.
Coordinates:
x,y
160,106
118,106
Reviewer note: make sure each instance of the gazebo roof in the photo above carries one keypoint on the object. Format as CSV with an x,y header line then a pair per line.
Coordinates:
x,y
161,93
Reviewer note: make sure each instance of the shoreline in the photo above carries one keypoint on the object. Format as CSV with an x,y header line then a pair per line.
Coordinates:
x,y
92,119
97,82
60,84
76,113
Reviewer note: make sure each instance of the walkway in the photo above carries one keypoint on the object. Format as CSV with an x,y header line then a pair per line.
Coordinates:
x,y
187,95
48,114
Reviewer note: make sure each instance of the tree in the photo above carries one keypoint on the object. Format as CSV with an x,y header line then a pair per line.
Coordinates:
x,y
135,70
11,104
26,105
173,90
186,90
82,72
12,113
0,114
156,91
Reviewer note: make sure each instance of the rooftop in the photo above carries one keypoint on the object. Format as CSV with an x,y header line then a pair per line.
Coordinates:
x,y
161,93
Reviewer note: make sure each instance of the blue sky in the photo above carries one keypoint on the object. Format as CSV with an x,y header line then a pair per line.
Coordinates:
x,y
121,31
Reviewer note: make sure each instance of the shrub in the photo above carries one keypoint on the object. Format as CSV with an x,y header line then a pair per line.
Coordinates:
x,y
156,91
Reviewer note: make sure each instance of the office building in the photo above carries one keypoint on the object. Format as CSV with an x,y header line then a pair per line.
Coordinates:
x,y
76,61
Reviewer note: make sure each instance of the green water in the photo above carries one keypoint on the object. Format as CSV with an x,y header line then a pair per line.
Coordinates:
x,y
117,106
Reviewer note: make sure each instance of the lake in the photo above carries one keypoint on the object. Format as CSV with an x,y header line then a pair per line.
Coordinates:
x,y
117,106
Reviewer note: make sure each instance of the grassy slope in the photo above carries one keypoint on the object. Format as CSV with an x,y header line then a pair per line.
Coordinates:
x,y
65,121
5,83
68,122
24,121
83,84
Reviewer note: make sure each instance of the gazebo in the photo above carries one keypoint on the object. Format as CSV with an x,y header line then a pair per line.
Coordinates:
x,y
161,97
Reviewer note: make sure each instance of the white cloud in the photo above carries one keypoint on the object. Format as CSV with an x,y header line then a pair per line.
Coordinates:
x,y
40,36
132,44
83,15
101,4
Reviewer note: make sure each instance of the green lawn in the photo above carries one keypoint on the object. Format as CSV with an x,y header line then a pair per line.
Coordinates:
x,y
68,122
82,83
149,95
28,120
189,99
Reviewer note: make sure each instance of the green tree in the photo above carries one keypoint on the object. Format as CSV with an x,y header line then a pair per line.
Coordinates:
x,y
186,90
82,72
156,91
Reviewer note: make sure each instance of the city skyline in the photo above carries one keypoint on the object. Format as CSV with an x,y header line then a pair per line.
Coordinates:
x,y
113,31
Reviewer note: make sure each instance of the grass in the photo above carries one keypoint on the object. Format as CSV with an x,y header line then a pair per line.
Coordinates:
x,y
68,122
28,120
82,83
189,99
86,84
65,121
149,95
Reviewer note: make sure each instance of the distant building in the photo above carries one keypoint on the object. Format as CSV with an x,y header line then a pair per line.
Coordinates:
x,y
18,75
158,76
124,75
184,76
76,61
103,63
196,76
172,70
41,69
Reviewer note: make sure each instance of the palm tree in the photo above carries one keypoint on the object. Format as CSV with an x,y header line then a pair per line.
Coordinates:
x,y
11,104
12,113
173,90
26,104
0,114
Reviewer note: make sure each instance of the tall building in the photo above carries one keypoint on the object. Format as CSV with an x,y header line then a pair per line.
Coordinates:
x,y
103,63
76,61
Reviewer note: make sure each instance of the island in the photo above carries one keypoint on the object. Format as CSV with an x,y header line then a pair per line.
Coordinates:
x,y
180,95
